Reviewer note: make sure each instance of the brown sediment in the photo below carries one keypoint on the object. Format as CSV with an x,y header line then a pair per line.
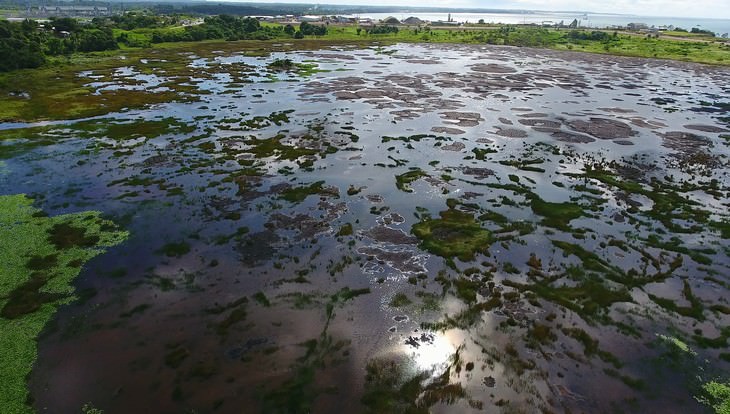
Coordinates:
x,y
572,137
540,123
447,130
456,146
306,226
492,68
477,172
602,128
462,119
403,260
511,133
385,234
707,128
684,141
649,124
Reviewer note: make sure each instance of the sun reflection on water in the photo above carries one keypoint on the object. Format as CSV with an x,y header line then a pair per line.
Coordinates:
x,y
429,350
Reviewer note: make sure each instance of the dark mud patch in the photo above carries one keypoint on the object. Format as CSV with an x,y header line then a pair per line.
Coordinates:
x,y
384,234
571,137
713,129
447,130
462,119
684,141
405,261
511,132
543,123
456,146
603,128
492,68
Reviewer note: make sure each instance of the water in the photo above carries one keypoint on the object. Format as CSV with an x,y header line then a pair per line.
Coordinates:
x,y
598,20
277,307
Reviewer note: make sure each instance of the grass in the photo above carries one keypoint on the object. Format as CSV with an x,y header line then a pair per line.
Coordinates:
x,y
39,256
454,234
557,215
623,44
56,92
717,396
299,194
403,181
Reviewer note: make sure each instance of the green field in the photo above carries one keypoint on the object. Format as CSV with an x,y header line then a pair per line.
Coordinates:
x,y
702,50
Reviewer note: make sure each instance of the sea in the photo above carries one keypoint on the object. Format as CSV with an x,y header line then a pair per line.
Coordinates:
x,y
588,20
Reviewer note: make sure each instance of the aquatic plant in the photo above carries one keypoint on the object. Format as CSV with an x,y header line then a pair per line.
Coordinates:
x,y
454,234
40,257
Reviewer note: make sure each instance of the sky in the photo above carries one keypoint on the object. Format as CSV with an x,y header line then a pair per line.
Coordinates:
x,y
719,9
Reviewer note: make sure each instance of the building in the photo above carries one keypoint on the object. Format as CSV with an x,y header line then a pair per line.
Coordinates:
x,y
390,20
70,11
413,21
310,19
637,26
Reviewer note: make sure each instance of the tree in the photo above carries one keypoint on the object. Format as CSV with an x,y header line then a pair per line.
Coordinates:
x,y
311,29
289,30
94,40
64,24
305,28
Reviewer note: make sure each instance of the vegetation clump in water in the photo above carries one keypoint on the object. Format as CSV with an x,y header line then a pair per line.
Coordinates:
x,y
454,234
40,256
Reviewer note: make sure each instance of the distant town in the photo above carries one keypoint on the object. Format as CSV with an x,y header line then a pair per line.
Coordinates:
x,y
41,12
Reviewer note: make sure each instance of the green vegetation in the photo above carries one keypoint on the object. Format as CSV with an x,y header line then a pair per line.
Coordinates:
x,y
399,300
345,230
299,194
175,249
54,91
390,388
26,44
717,396
556,215
39,256
402,181
454,234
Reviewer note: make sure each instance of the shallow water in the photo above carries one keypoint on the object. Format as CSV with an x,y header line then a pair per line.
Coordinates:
x,y
601,182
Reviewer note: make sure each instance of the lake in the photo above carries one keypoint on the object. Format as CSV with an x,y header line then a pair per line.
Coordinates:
x,y
370,228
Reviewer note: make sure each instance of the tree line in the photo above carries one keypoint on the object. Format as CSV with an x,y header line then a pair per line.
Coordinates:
x,y
28,44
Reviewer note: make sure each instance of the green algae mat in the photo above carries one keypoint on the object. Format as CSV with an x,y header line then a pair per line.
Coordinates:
x,y
39,258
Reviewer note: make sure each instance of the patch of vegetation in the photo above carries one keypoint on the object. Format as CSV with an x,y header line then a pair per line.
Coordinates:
x,y
557,215
454,234
39,256
403,181
345,230
261,298
399,300
717,396
299,194
175,249
390,388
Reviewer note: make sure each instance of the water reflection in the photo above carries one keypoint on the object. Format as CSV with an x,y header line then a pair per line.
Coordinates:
x,y
429,350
